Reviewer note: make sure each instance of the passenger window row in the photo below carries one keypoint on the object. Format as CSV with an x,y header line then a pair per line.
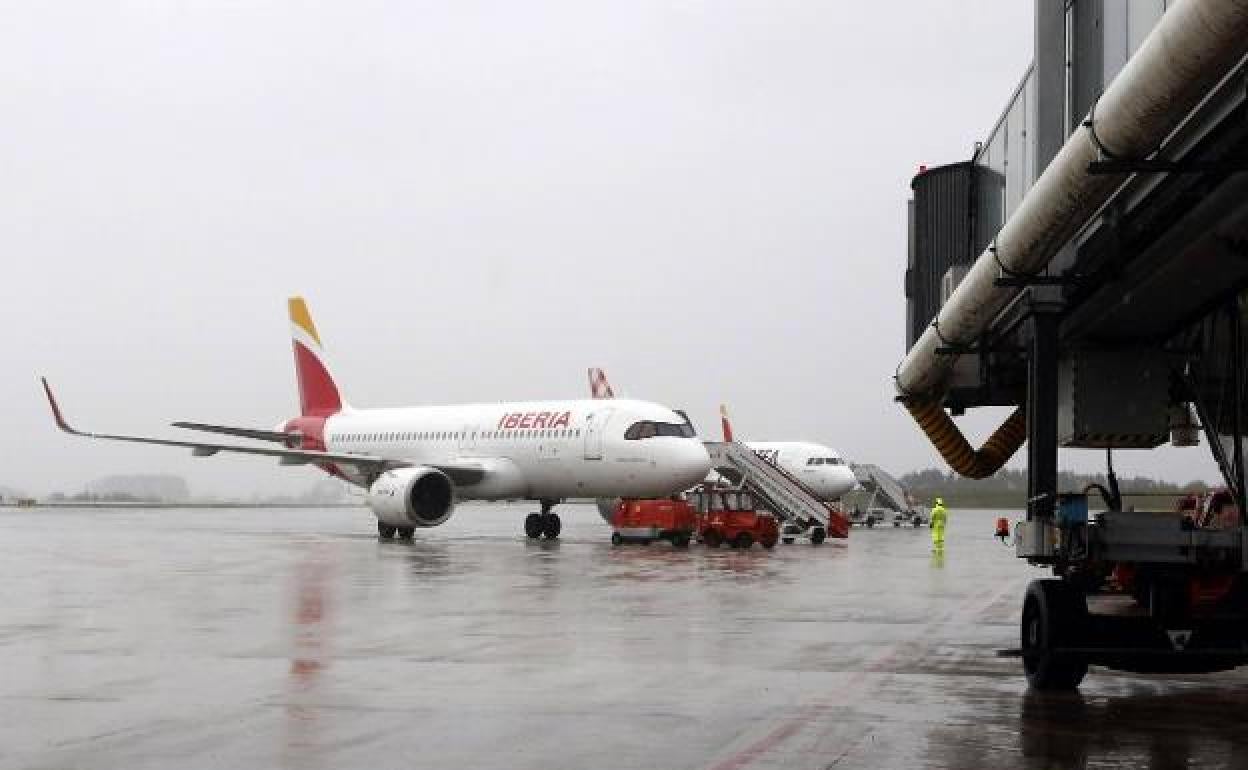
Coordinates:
x,y
400,436
546,433
455,435
825,461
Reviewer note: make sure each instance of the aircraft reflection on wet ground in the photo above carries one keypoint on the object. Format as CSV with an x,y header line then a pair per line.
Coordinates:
x,y
160,638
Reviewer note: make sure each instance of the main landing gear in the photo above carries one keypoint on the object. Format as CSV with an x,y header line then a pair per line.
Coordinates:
x,y
545,524
388,531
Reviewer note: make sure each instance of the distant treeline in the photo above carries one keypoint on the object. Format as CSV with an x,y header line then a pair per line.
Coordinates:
x,y
151,489
1008,489
106,497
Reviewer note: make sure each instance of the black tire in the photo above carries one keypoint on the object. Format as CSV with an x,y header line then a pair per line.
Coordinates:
x,y
768,543
407,533
386,531
743,540
818,536
712,538
1053,615
680,540
787,540
616,539
551,526
918,523
870,523
533,525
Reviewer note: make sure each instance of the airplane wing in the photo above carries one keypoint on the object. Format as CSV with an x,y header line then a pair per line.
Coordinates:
x,y
459,473
260,435
367,463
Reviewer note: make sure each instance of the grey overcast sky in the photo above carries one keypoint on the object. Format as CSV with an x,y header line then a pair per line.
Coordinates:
x,y
479,200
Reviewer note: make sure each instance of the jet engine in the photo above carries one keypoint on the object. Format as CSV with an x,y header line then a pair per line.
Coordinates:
x,y
412,497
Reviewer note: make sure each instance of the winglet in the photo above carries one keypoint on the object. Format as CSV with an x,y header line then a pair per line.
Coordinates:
x,y
723,419
56,409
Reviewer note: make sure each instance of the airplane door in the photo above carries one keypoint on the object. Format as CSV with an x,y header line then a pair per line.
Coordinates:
x,y
594,425
468,439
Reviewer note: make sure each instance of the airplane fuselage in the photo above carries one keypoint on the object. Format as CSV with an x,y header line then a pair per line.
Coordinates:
x,y
534,450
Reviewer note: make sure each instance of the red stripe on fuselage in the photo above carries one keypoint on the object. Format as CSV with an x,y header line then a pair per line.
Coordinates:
x,y
311,433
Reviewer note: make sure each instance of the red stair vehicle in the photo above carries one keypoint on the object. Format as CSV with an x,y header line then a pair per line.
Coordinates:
x,y
730,516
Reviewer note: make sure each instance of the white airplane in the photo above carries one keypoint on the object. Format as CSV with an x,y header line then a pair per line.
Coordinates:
x,y
416,462
820,468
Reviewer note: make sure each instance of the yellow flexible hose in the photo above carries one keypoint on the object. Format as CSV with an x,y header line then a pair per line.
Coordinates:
x,y
953,446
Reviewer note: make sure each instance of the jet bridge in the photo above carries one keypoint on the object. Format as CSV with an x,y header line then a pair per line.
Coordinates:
x,y
1089,266
797,507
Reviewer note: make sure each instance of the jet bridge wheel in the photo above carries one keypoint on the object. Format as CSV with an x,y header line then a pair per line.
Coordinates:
x,y
386,531
1053,614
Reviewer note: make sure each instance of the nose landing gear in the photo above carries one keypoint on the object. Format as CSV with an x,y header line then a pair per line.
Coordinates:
x,y
545,524
388,531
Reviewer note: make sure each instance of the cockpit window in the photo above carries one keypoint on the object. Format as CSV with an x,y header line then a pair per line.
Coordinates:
x,y
650,429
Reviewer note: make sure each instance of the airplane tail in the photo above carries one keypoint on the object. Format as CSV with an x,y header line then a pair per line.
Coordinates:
x,y
723,419
319,395
598,385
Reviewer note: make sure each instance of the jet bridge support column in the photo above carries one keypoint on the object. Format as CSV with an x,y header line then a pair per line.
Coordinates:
x,y
1042,384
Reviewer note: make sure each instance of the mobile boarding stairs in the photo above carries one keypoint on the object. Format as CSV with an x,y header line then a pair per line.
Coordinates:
x,y
800,512
884,495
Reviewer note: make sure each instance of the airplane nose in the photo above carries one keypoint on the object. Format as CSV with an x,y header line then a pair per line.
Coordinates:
x,y
846,480
693,462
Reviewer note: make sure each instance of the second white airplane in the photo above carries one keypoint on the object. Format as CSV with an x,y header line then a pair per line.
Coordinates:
x,y
416,462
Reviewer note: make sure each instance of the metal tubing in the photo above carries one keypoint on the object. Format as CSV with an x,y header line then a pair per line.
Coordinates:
x,y
1191,48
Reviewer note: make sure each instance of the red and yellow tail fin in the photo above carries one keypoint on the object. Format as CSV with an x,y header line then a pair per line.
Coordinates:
x,y
723,419
318,393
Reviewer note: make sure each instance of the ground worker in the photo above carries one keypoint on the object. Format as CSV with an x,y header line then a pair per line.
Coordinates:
x,y
940,517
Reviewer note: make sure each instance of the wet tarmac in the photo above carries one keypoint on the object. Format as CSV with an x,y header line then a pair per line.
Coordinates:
x,y
293,638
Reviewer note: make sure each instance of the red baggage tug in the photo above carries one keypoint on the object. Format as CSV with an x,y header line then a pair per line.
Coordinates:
x,y
644,521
